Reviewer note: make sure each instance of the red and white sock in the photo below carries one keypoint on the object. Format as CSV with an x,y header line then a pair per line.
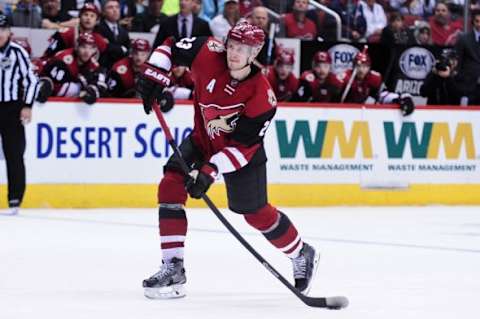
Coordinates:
x,y
278,229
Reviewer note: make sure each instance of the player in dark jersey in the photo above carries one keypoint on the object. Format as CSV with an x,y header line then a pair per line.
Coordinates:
x,y
319,84
123,75
234,105
281,77
368,83
74,73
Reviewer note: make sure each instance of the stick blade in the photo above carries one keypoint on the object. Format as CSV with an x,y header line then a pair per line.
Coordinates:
x,y
326,302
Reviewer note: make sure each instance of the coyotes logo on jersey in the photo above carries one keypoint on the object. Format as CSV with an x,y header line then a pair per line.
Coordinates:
x,y
219,118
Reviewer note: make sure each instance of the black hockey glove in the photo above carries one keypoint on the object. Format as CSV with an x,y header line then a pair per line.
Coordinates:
x,y
90,94
199,181
406,104
46,90
166,101
150,85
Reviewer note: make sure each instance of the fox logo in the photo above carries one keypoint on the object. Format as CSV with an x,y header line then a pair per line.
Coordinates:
x,y
219,119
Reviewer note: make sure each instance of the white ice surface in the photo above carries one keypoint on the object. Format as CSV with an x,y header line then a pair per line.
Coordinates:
x,y
392,263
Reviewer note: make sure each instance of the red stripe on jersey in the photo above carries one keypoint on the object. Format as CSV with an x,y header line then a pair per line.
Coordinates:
x,y
232,159
160,50
173,227
172,245
285,239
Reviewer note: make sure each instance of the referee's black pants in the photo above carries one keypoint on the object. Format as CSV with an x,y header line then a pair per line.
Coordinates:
x,y
13,143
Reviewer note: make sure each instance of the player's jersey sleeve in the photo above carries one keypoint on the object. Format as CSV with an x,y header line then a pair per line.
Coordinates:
x,y
172,52
56,44
303,92
60,75
249,131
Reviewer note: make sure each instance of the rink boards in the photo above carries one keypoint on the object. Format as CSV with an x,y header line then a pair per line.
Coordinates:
x,y
111,155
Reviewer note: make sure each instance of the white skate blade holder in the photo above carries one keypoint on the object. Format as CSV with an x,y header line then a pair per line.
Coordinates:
x,y
169,292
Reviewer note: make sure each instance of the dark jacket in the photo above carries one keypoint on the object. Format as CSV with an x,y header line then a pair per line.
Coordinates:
x,y
442,91
145,21
117,47
170,28
468,50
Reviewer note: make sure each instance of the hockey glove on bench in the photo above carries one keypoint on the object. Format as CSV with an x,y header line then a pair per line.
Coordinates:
x,y
199,181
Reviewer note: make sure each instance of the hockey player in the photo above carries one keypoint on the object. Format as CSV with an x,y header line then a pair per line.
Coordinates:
x,y
74,73
368,83
124,74
319,84
281,77
234,105
66,38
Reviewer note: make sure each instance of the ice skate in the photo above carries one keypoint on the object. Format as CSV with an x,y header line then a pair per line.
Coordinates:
x,y
12,211
305,267
168,282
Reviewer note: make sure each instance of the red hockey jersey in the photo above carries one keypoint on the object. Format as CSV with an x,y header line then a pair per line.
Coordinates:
x,y
231,116
121,79
65,39
284,89
362,89
65,72
306,30
312,89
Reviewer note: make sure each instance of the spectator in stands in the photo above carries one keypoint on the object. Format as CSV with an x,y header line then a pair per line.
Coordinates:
x,y
27,14
65,38
468,49
281,77
354,25
151,19
182,25
319,84
443,85
375,18
421,34
297,25
54,18
395,32
117,36
325,23
74,72
221,24
197,10
210,9
444,30
171,7
420,8
73,7
124,73
259,17
247,6
128,10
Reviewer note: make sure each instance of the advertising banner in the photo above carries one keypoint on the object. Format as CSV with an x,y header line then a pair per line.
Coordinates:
x,y
116,143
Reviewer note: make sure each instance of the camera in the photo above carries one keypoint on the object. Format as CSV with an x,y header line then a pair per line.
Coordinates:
x,y
443,63
446,59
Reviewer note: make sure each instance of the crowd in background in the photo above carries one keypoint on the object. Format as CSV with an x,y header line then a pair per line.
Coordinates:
x,y
92,55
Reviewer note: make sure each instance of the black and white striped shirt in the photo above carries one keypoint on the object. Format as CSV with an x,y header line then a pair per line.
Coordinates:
x,y
17,80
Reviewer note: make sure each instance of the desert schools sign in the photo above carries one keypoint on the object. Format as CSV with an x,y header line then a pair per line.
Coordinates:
x,y
117,143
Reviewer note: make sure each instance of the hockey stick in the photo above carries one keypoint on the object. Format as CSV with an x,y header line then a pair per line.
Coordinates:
x,y
349,84
319,302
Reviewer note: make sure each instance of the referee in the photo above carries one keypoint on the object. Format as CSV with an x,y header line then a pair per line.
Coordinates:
x,y
18,87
